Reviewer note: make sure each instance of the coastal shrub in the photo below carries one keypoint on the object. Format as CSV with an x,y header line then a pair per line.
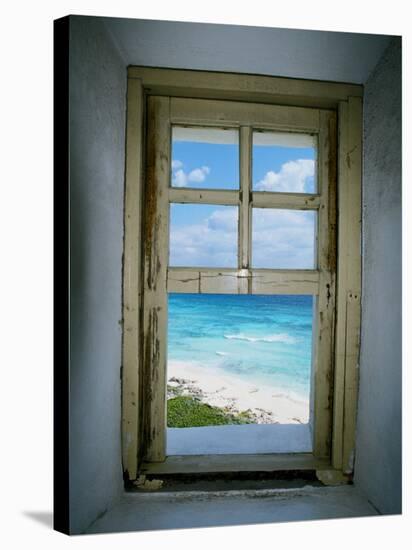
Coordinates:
x,y
189,412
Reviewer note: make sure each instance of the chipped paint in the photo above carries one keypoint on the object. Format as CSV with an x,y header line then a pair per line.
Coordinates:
x,y
156,234
348,156
332,478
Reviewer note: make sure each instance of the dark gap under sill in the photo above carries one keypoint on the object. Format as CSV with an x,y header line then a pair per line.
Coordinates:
x,y
227,481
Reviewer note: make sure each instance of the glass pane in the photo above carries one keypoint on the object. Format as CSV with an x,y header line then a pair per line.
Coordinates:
x,y
203,235
283,239
205,158
239,359
284,162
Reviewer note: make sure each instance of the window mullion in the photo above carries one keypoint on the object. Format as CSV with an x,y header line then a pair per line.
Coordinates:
x,y
284,281
203,196
245,189
290,201
205,280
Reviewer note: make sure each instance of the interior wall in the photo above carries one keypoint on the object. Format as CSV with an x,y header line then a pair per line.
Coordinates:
x,y
378,467
97,135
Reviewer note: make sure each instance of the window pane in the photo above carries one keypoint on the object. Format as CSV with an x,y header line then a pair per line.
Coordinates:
x,y
284,162
283,239
249,357
203,235
205,158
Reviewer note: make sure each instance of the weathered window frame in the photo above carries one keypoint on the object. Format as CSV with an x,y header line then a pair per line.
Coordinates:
x,y
329,99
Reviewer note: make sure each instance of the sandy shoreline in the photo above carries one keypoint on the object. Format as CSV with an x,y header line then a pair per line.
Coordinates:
x,y
267,404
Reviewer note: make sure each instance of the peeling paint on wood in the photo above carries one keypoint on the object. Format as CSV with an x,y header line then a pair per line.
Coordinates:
x,y
234,114
156,237
349,290
242,281
243,87
332,478
236,463
131,364
290,201
143,484
323,346
204,196
245,210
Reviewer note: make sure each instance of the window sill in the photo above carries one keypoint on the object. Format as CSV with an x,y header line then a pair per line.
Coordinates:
x,y
197,464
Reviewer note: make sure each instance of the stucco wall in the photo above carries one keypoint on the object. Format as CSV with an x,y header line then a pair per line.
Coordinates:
x,y
97,133
378,456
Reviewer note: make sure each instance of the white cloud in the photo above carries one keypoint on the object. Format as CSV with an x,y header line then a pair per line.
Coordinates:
x,y
223,220
198,175
281,239
176,164
180,178
208,243
292,177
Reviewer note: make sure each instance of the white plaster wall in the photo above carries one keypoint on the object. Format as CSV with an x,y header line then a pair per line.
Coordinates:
x,y
378,456
97,133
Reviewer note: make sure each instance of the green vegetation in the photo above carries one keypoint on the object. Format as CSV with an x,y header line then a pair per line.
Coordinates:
x,y
188,412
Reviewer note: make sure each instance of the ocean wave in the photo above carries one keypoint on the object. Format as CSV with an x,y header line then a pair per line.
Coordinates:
x,y
222,353
281,337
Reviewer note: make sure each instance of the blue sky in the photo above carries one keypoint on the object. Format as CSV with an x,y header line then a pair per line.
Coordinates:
x,y
206,235
218,162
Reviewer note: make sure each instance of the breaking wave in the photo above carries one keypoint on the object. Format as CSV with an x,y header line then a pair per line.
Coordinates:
x,y
282,337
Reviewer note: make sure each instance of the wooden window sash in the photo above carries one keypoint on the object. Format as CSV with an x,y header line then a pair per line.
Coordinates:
x,y
159,278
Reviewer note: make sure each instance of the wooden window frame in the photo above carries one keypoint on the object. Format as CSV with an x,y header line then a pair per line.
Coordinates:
x,y
330,104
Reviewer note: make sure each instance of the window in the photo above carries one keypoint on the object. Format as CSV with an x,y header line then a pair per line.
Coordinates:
x,y
270,242
269,203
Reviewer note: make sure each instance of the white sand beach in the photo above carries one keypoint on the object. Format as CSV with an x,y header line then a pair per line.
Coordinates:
x,y
268,404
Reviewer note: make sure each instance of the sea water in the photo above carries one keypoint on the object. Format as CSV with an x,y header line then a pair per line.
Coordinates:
x,y
264,340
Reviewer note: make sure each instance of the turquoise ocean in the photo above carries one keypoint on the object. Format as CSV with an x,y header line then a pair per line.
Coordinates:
x,y
264,340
